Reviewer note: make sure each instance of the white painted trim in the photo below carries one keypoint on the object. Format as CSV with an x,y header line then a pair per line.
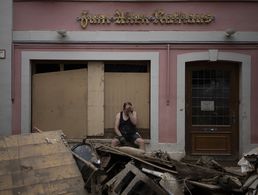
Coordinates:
x,y
27,56
134,37
244,93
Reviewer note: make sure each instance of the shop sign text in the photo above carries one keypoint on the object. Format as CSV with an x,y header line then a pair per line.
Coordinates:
x,y
158,17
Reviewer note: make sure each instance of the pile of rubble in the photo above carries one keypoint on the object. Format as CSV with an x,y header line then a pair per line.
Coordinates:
x,y
43,163
127,171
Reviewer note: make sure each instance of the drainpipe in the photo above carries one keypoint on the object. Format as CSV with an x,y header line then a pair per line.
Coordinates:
x,y
12,75
168,76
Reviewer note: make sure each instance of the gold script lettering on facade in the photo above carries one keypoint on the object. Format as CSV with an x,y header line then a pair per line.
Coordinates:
x,y
86,19
129,18
179,18
119,17
158,17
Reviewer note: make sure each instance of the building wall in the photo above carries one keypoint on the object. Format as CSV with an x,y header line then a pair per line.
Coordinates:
x,y
35,30
5,66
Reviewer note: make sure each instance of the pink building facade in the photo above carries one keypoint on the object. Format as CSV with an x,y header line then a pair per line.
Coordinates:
x,y
179,39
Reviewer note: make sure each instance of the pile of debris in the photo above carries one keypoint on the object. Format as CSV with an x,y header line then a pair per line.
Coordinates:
x,y
43,163
127,171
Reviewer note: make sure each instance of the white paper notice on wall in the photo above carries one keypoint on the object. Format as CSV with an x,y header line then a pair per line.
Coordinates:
x,y
207,106
2,54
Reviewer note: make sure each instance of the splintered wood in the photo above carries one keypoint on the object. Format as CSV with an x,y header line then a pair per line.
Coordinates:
x,y
38,163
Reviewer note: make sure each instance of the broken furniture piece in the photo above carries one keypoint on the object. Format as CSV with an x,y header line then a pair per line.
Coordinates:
x,y
132,181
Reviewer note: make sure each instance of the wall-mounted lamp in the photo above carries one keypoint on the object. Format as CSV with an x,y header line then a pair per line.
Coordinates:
x,y
229,32
62,33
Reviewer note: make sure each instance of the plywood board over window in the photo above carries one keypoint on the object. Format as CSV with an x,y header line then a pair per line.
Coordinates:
x,y
59,101
95,99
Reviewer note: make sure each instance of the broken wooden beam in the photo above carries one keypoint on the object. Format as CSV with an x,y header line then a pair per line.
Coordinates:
x,y
116,151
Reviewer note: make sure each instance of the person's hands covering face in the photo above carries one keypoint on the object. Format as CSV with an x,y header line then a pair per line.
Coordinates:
x,y
129,110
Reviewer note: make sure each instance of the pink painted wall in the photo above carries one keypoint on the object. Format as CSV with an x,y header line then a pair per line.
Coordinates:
x,y
51,15
167,97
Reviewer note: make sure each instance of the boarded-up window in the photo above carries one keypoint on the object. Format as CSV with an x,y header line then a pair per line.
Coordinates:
x,y
63,90
59,99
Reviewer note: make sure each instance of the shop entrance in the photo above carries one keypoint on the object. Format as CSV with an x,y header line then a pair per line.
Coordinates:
x,y
212,108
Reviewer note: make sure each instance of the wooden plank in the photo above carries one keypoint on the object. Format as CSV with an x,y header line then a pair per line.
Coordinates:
x,y
27,175
249,181
6,192
57,173
66,186
47,137
2,142
95,99
11,141
4,154
41,149
69,186
9,166
254,185
17,179
5,182
204,185
25,139
25,145
9,153
116,151
47,161
35,189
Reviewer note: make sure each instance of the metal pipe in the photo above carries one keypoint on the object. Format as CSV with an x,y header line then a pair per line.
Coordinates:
x,y
168,76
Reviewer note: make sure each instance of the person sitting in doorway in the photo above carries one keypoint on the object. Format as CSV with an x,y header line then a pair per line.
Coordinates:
x,y
125,127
